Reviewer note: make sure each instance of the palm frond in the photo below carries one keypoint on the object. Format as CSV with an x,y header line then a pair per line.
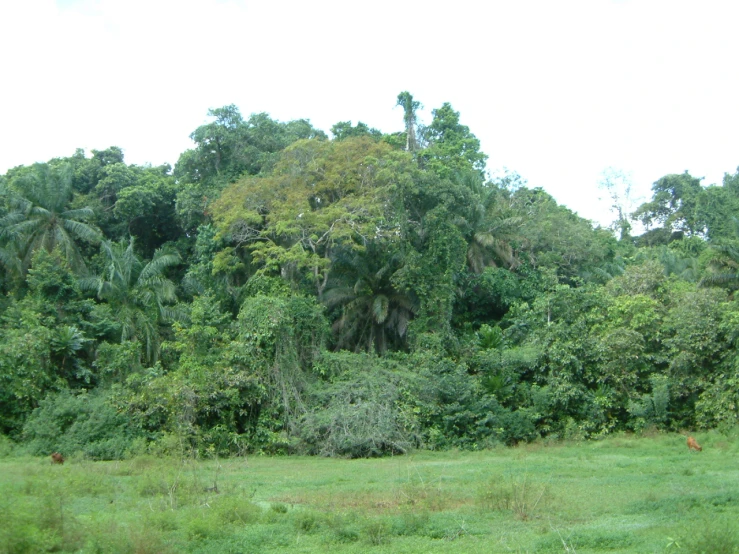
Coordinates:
x,y
78,213
10,260
380,306
86,232
158,264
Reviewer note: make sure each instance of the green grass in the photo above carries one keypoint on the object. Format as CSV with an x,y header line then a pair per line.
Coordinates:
x,y
622,494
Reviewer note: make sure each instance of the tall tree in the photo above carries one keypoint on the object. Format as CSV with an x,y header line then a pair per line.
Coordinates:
x,y
674,204
723,260
619,187
40,216
226,149
491,226
374,313
718,205
451,146
410,107
344,129
321,196
139,293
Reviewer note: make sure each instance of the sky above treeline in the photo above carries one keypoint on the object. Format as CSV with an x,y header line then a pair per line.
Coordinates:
x,y
556,91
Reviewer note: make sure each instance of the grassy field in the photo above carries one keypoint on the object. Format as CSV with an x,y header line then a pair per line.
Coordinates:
x,y
622,494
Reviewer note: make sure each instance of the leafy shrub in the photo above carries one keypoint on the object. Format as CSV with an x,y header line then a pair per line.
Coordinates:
x,y
308,521
456,411
239,511
361,412
85,423
376,531
718,405
116,361
651,409
6,446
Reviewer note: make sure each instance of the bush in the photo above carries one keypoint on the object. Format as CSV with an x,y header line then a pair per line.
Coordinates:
x,y
718,405
85,423
652,409
455,410
6,446
361,412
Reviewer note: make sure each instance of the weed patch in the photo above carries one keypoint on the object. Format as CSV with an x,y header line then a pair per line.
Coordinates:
x,y
596,540
714,537
522,495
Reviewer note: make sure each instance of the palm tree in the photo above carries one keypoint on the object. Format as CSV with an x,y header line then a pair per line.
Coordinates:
x,y
39,217
685,267
490,227
138,292
373,311
724,264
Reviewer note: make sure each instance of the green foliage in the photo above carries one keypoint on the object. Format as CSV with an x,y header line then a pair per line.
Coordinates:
x,y
84,423
281,330
362,411
674,204
26,371
646,279
490,337
431,272
344,129
146,210
717,206
491,294
138,292
454,411
321,197
214,269
373,313
722,259
695,343
7,446
114,362
718,405
451,146
40,217
279,339
498,315
555,237
263,285
492,226
651,410
50,278
410,106
227,148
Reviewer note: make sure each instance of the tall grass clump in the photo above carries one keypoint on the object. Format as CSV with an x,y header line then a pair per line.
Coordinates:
x,y
714,537
522,496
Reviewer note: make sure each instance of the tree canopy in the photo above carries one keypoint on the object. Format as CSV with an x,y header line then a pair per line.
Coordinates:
x,y
282,292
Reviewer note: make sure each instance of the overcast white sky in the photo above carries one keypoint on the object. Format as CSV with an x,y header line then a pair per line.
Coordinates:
x,y
556,91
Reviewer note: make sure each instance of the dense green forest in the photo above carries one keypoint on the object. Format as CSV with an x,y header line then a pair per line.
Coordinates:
x,y
281,291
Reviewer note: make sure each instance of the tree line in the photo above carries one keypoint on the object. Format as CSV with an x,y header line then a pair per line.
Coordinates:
x,y
286,292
